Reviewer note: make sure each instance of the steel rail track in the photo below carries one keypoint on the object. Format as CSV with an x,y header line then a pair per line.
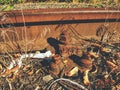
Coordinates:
x,y
61,16
51,22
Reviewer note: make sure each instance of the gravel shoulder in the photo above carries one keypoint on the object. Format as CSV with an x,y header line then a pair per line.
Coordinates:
x,y
59,5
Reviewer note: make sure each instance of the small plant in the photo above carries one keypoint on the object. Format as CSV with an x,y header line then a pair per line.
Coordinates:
x,y
3,2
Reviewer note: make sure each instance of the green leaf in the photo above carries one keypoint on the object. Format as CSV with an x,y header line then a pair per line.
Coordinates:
x,y
8,8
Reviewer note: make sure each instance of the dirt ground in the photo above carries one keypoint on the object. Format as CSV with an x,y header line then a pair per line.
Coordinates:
x,y
70,47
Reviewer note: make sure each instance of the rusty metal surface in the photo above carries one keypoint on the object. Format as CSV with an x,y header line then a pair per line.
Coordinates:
x,y
33,27
42,15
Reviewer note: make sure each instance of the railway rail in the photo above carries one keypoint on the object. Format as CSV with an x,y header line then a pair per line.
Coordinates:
x,y
39,24
61,16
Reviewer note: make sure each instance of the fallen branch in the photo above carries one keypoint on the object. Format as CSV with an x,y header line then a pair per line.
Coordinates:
x,y
72,82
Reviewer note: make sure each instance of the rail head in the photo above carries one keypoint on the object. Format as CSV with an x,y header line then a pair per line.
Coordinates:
x,y
63,11
61,16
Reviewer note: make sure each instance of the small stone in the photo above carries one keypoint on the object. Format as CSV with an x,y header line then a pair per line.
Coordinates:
x,y
47,78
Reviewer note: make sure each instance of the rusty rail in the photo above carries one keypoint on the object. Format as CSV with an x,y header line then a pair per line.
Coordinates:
x,y
61,16
44,23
